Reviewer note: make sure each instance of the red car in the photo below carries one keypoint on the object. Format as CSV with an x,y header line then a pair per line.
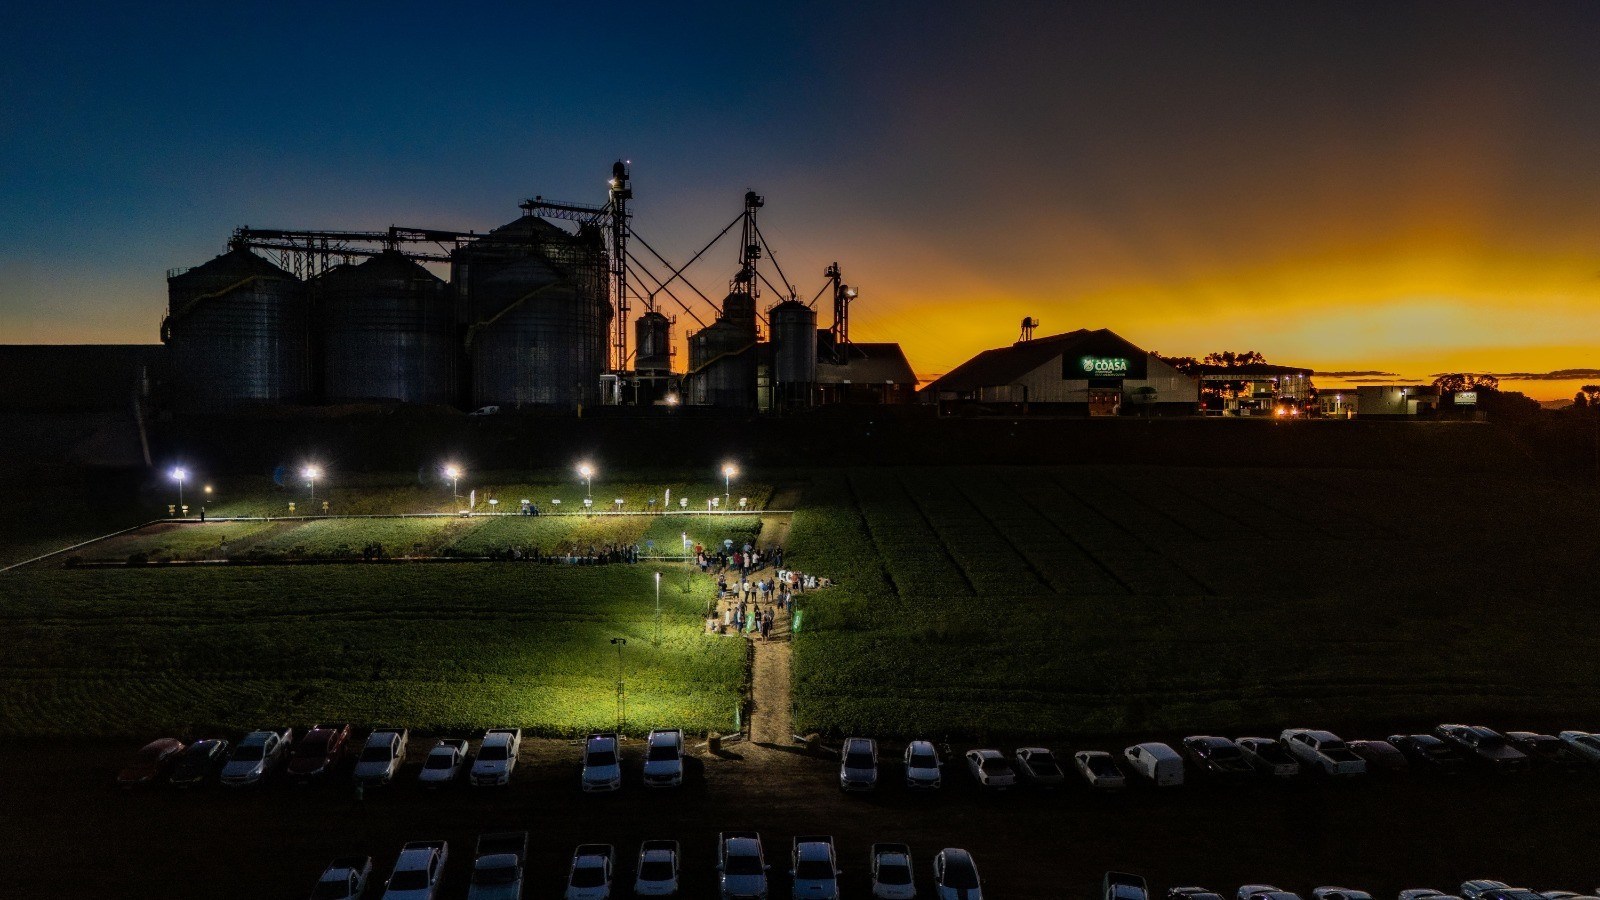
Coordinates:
x,y
319,751
151,763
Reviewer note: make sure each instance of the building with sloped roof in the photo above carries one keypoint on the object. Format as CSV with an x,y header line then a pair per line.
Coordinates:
x,y
863,373
1083,372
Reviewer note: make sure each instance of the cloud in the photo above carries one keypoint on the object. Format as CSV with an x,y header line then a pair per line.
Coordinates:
x,y
1555,375
1384,380
1357,375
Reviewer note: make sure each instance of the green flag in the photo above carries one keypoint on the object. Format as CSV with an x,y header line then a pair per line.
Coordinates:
x,y
794,627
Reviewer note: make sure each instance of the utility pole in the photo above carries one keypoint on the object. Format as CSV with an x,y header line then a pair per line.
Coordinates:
x,y
622,702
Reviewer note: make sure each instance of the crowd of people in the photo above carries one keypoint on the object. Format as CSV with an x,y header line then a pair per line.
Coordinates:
x,y
748,599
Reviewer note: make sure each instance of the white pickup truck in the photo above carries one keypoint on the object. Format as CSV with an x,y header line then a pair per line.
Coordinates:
x,y
417,872
497,756
1322,750
344,879
382,756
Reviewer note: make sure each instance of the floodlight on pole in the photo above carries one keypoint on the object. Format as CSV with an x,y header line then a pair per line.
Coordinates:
x,y
311,474
587,471
179,473
453,472
728,471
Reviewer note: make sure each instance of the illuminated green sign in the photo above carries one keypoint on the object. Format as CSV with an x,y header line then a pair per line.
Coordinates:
x,y
1103,366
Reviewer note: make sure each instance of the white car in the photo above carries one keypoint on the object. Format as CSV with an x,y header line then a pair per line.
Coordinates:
x,y
991,769
1339,893
1582,743
891,872
858,765
1420,893
1268,756
344,879
443,763
380,759
417,872
924,769
602,767
741,867
1471,889
590,875
255,757
814,868
657,874
1099,768
1039,766
955,876
1250,891
497,756
663,758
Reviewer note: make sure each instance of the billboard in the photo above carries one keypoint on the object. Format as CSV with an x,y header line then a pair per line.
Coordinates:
x,y
1466,398
1092,366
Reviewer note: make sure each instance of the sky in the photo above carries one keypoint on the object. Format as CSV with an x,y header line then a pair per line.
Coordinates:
x,y
1386,190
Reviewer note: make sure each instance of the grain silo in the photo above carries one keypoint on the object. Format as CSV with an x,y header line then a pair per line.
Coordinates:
x,y
387,332
537,311
237,332
653,340
722,357
794,352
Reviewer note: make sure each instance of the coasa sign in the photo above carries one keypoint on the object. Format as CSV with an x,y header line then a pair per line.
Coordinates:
x,y
1103,366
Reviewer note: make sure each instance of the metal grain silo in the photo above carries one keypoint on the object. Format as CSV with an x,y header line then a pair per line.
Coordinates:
x,y
653,338
537,312
794,352
722,357
387,332
237,332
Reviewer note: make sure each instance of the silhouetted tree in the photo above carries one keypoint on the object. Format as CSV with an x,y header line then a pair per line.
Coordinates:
x,y
1466,381
1580,400
1592,393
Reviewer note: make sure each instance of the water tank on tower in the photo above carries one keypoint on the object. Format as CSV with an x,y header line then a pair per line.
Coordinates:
x,y
387,332
236,331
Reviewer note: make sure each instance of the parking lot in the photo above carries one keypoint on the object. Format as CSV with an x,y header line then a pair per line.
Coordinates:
x,y
69,832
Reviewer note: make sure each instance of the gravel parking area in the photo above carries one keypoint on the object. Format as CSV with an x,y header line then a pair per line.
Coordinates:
x,y
68,831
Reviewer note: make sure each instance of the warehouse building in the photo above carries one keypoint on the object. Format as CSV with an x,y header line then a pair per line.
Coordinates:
x,y
1084,372
1256,389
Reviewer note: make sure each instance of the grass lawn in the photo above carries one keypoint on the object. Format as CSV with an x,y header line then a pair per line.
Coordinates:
x,y
1115,600
133,652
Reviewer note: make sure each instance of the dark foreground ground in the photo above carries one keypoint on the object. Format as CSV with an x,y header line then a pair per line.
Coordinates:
x,y
66,831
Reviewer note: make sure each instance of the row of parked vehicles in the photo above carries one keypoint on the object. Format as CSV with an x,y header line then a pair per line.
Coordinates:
x,y
743,873
321,749
1448,749
1122,886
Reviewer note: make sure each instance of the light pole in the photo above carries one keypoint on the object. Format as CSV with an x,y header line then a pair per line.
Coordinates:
x,y
311,474
179,473
658,608
587,471
728,471
622,703
453,472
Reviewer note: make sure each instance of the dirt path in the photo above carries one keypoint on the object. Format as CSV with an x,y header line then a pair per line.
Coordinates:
x,y
770,713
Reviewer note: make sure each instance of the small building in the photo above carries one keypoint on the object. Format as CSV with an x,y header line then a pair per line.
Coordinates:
x,y
856,373
1396,400
1255,389
1085,372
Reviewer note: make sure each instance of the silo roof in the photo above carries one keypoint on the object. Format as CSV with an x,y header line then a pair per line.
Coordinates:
x,y
236,263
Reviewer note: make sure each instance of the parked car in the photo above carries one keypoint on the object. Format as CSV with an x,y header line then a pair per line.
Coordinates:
x,y
1268,757
891,872
858,765
602,763
497,756
198,763
1420,893
1157,762
417,872
1322,751
382,756
1429,754
1510,894
1218,757
955,876
153,761
991,769
443,763
1381,757
1192,893
1039,766
1485,746
1099,768
924,768
663,758
1471,890
814,868
741,866
1122,886
657,873
1339,893
1547,751
318,752
256,757
1265,892
591,872
1582,743
344,879
497,866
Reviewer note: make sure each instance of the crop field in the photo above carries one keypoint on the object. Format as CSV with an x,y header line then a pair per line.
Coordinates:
x,y
1097,600
132,651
